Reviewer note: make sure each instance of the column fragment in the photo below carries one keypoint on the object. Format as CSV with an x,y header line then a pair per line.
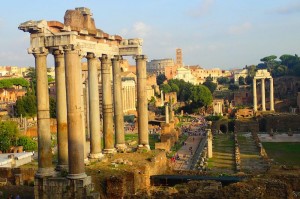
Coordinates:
x,y
61,110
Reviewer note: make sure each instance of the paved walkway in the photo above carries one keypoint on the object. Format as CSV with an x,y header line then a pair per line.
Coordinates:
x,y
184,153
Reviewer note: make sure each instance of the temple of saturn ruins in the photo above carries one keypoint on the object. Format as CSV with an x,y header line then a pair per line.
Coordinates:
x,y
262,75
69,43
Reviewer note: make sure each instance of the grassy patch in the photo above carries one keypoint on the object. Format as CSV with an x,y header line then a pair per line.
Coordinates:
x,y
287,153
177,146
153,138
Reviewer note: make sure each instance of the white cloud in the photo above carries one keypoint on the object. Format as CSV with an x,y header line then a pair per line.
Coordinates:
x,y
141,29
203,8
138,29
288,9
240,29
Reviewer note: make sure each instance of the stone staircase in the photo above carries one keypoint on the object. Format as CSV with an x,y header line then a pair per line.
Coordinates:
x,y
223,154
251,161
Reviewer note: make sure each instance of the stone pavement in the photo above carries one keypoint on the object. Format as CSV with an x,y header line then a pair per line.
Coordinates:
x,y
184,153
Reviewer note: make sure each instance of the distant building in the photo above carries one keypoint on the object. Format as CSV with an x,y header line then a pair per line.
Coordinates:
x,y
239,73
158,66
186,75
179,60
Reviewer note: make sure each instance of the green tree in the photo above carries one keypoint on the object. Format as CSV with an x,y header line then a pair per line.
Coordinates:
x,y
233,87
52,105
210,85
249,80
26,105
27,143
241,80
8,133
160,79
223,80
166,88
174,87
200,96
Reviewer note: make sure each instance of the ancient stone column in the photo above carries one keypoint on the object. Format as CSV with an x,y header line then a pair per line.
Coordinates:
x,y
162,97
271,95
254,95
43,116
61,110
263,95
118,106
83,114
94,111
108,131
142,102
171,110
74,110
167,113
209,143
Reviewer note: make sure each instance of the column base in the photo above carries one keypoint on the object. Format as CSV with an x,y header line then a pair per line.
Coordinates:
x,y
76,176
109,151
61,187
95,155
62,167
144,147
44,172
86,161
121,147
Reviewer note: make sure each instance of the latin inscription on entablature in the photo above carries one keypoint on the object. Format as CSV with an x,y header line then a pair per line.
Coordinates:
x,y
130,51
60,40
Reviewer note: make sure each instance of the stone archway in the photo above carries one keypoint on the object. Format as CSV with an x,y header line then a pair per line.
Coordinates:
x,y
223,128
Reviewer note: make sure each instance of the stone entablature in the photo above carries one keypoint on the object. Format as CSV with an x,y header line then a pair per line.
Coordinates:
x,y
80,32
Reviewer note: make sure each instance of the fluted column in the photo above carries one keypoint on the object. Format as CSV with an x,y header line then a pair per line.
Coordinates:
x,y
142,102
74,110
43,116
108,130
263,95
94,111
271,95
61,110
254,95
118,106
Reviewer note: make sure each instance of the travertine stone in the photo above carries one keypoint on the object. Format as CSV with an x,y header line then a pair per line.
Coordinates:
x,y
44,136
75,129
254,95
209,143
167,113
61,110
108,131
142,102
118,106
263,95
94,112
271,95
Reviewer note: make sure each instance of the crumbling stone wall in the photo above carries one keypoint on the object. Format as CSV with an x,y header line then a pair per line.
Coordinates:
x,y
18,175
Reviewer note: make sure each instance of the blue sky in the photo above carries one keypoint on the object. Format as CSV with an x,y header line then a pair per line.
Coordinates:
x,y
211,33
